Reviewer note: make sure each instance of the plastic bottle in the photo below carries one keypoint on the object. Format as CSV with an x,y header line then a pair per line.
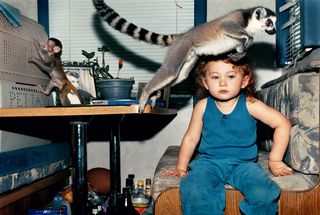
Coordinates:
x,y
58,203
148,187
140,199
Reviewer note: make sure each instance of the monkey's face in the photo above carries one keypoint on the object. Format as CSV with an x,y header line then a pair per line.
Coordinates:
x,y
51,47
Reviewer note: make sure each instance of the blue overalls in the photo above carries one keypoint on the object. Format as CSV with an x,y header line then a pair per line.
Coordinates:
x,y
227,155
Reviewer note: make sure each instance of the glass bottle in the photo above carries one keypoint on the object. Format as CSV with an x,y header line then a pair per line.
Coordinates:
x,y
94,200
130,184
125,206
140,199
131,181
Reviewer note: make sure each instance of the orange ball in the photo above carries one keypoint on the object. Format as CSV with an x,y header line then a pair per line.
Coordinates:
x,y
99,180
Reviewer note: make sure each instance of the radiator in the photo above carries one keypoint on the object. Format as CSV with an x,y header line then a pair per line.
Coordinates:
x,y
18,78
298,29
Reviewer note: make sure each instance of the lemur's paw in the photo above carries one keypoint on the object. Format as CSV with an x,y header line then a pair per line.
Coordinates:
x,y
143,102
248,42
237,56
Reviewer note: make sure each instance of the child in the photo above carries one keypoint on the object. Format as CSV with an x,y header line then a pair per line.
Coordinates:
x,y
225,120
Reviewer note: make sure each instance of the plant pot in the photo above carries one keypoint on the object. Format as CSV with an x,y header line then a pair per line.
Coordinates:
x,y
109,89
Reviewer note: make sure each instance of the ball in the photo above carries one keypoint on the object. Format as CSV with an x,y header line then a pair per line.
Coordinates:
x,y
99,180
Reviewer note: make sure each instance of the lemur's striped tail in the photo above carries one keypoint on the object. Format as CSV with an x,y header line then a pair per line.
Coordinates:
x,y
122,25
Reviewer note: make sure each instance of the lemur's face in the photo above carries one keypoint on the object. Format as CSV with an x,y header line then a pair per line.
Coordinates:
x,y
267,19
269,25
262,19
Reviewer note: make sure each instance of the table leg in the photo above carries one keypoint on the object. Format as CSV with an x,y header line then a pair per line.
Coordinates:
x,y
79,163
115,179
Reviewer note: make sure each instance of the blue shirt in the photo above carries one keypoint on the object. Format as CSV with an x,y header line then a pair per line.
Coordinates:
x,y
229,136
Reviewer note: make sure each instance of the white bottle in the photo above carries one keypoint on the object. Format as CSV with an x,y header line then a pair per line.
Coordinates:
x,y
139,197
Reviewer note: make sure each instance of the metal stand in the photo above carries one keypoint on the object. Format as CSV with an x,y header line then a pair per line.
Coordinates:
x,y
115,178
79,163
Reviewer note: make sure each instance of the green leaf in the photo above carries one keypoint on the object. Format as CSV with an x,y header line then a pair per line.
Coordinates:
x,y
104,48
91,55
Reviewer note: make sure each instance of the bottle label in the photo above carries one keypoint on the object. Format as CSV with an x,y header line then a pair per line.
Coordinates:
x,y
140,202
140,205
140,210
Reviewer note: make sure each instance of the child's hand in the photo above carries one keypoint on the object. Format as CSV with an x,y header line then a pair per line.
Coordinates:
x,y
177,172
278,168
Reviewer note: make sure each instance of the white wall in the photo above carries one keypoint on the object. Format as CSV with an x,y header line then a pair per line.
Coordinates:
x,y
27,8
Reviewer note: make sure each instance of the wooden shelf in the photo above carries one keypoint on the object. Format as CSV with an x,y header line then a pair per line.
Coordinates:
x,y
81,111
34,195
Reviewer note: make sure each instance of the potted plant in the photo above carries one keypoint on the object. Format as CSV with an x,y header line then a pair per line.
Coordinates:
x,y
108,87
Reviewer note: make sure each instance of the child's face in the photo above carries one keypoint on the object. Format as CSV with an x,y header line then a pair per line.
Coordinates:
x,y
74,81
223,80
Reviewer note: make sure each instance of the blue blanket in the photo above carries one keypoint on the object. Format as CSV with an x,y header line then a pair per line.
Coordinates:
x,y
12,14
27,158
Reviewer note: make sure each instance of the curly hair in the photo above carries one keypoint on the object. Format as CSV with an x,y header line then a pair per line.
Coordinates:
x,y
243,65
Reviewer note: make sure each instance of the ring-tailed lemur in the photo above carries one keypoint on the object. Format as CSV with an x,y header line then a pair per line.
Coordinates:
x,y
232,31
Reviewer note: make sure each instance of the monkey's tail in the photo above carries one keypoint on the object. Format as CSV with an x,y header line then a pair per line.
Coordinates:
x,y
75,91
138,33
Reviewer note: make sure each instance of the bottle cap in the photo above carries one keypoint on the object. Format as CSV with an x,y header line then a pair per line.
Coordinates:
x,y
140,183
148,181
57,197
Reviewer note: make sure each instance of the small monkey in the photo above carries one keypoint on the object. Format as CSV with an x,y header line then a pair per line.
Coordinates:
x,y
232,33
49,61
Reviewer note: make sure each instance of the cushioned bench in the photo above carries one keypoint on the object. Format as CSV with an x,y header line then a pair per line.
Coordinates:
x,y
298,98
23,166
30,177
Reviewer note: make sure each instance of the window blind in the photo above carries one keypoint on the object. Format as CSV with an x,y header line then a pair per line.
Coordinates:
x,y
77,25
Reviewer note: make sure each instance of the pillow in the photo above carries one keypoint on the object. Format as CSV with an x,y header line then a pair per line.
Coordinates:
x,y
298,98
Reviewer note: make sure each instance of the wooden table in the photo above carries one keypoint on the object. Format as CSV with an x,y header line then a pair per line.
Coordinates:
x,y
80,117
